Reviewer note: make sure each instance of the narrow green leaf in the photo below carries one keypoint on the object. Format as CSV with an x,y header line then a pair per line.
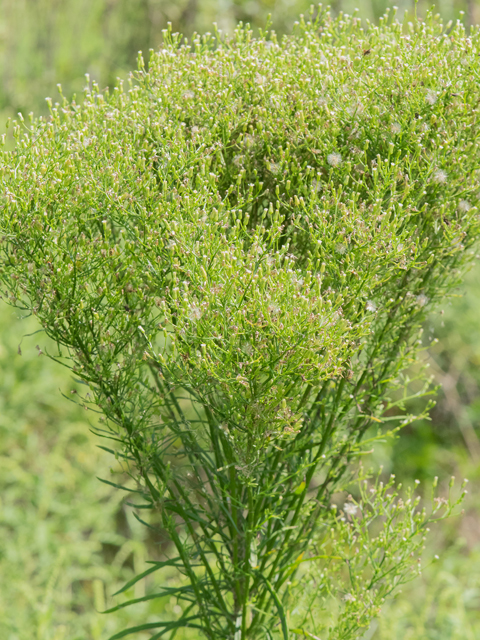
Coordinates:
x,y
147,572
142,627
280,609
167,591
117,486
168,626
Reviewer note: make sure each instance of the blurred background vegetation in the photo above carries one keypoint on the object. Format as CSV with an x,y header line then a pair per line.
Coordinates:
x,y
67,541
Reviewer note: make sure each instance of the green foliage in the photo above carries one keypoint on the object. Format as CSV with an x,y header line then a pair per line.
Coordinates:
x,y
378,536
237,255
67,541
43,42
443,605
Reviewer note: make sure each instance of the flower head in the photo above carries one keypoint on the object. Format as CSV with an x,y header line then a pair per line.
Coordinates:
x,y
431,97
274,167
440,176
464,206
334,159
350,509
249,140
274,309
421,300
195,313
371,306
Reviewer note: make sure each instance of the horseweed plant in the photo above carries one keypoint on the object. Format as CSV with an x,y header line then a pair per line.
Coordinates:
x,y
236,255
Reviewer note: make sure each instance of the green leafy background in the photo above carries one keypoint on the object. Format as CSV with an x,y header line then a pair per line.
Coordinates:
x,y
68,541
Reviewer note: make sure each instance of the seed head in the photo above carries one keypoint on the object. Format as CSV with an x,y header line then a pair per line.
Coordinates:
x,y
274,168
350,509
195,312
421,300
334,159
440,176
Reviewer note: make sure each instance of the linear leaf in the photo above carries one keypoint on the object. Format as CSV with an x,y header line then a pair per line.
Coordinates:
x,y
147,572
280,609
169,626
167,591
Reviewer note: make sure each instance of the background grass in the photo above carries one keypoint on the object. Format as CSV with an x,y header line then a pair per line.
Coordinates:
x,y
67,541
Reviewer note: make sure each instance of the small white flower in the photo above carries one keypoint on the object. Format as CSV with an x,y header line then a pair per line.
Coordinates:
x,y
350,509
240,379
274,309
188,95
349,597
464,206
334,159
371,306
353,110
440,176
421,300
274,168
249,140
298,282
431,97
248,348
195,313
